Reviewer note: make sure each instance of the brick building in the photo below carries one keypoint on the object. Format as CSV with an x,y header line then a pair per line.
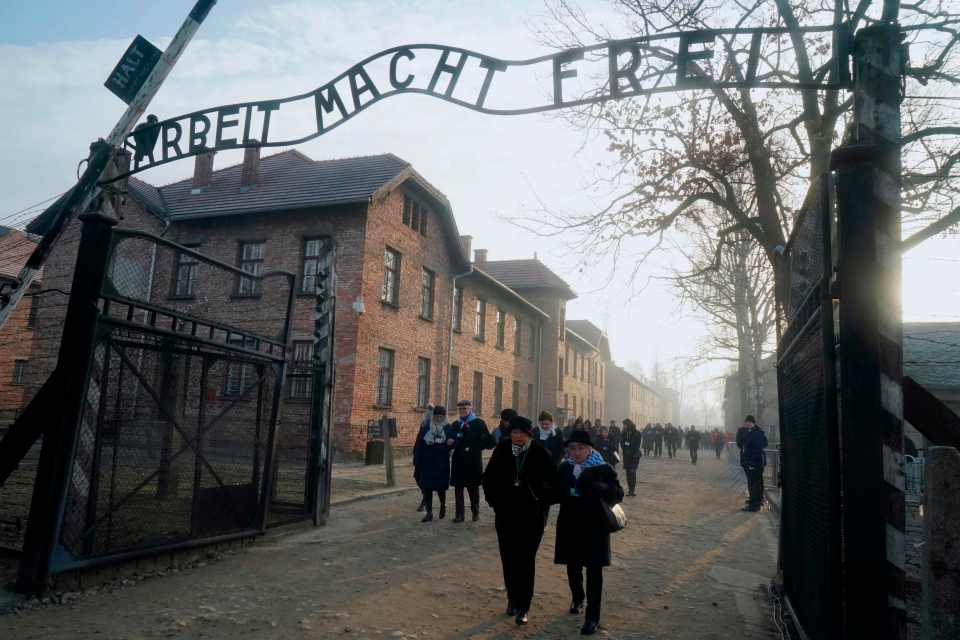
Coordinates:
x,y
16,337
416,320
629,397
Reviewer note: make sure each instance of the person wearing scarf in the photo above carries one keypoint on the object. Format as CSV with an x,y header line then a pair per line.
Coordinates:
x,y
518,484
469,437
431,460
550,437
583,540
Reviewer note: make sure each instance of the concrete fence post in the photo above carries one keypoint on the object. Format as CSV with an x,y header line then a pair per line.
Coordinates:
x,y
940,615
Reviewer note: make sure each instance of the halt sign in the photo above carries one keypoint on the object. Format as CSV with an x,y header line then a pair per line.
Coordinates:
x,y
131,72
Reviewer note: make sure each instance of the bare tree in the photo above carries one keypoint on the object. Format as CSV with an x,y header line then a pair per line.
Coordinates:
x,y
755,154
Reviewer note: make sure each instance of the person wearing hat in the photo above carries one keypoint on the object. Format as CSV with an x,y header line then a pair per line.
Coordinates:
x,y
584,480
431,459
469,437
502,432
550,437
518,484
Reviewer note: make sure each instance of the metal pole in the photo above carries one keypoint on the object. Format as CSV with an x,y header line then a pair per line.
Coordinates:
x,y
388,452
83,194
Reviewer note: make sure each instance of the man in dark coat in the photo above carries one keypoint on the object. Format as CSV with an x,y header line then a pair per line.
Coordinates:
x,y
614,434
431,459
693,443
742,432
647,435
670,435
584,480
658,440
518,484
550,437
630,445
502,432
754,459
469,438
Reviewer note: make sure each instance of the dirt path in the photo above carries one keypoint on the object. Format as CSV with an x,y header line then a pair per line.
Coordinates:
x,y
690,566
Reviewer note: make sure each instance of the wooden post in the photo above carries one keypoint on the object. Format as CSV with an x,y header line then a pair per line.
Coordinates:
x,y
388,452
871,408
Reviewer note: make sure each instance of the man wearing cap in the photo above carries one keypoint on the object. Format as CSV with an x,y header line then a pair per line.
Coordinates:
x,y
518,484
469,438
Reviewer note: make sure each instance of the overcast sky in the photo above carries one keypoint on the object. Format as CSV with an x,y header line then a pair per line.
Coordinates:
x,y
56,54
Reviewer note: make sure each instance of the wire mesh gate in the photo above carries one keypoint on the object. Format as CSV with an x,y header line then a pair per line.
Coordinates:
x,y
811,515
175,439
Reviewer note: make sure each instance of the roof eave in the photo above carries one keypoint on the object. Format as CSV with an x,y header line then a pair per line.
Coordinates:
x,y
512,293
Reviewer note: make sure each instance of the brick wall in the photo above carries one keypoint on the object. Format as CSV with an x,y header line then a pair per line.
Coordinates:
x,y
16,344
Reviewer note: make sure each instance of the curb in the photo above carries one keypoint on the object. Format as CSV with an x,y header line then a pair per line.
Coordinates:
x,y
372,496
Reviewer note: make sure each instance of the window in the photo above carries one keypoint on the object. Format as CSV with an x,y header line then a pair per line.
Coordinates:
x,y
530,409
427,281
563,322
19,370
517,335
415,214
576,361
311,265
453,386
478,393
423,382
301,371
515,397
391,277
560,375
239,374
457,309
185,280
385,378
34,310
497,396
533,342
479,321
251,261
501,319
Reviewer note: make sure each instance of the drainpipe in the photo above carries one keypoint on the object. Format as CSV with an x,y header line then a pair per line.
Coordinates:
x,y
453,292
540,369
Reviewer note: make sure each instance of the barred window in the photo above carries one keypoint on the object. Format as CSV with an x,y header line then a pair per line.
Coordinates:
x,y
391,277
517,335
185,285
385,378
423,382
427,284
301,371
19,371
497,395
34,311
501,320
239,374
251,261
415,214
453,386
480,320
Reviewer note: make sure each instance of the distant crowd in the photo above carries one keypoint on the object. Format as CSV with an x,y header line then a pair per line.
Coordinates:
x,y
534,466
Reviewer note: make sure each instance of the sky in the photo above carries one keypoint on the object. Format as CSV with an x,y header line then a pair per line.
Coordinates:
x,y
56,54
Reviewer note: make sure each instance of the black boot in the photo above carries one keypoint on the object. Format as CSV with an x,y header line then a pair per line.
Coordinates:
x,y
428,517
458,517
589,627
522,618
511,610
443,511
476,514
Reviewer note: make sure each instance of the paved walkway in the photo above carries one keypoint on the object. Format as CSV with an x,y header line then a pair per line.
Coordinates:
x,y
690,566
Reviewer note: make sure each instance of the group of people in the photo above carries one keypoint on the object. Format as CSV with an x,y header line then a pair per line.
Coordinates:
x,y
532,468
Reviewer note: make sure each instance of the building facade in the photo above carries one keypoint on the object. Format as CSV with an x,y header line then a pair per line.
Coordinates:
x,y
16,337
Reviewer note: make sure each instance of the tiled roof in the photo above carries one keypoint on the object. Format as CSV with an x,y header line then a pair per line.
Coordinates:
x,y
478,272
527,274
15,247
931,353
287,180
147,195
586,329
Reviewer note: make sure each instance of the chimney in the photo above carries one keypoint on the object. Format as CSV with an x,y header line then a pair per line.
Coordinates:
x,y
203,169
250,172
465,243
480,256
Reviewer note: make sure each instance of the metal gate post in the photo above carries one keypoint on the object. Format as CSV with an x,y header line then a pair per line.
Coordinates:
x,y
871,408
320,461
73,366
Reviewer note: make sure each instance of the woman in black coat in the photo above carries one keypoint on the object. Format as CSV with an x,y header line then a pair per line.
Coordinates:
x,y
431,460
519,485
584,480
630,445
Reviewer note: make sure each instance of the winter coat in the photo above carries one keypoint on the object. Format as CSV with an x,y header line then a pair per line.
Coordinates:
x,y
630,445
615,437
432,462
553,445
582,536
754,442
606,449
520,508
693,439
466,467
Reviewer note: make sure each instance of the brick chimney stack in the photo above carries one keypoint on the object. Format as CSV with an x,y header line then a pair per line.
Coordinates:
x,y
480,256
465,244
203,169
250,172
